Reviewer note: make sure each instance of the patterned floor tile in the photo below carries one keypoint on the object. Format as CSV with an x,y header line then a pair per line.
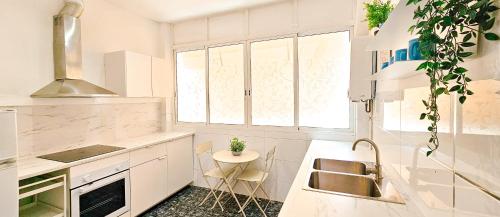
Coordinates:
x,y
185,204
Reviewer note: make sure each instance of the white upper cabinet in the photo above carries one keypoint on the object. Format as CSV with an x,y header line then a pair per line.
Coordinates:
x,y
132,74
159,76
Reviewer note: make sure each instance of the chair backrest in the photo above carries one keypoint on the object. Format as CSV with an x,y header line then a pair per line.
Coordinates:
x,y
201,149
270,156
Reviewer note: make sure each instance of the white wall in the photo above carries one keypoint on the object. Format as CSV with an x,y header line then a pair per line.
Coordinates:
x,y
26,62
271,20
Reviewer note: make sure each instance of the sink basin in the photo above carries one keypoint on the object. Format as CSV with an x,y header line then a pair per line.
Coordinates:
x,y
340,166
347,184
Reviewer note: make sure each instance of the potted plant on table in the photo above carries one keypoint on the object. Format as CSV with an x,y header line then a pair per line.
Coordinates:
x,y
377,13
237,146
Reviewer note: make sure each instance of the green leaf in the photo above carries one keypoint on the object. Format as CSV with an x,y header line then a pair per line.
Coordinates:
x,y
467,44
429,153
430,128
422,66
468,79
464,54
440,91
469,92
491,36
462,99
467,37
460,70
455,88
425,103
422,116
488,24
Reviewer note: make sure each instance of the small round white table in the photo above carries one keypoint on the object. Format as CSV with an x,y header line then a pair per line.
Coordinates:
x,y
226,156
242,161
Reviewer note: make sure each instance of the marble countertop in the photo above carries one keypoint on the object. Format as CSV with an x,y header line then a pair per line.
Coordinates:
x,y
300,202
33,166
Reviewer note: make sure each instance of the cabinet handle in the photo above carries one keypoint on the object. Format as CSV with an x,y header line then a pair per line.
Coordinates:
x,y
161,158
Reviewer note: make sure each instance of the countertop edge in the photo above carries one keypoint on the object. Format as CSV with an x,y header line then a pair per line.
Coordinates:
x,y
131,144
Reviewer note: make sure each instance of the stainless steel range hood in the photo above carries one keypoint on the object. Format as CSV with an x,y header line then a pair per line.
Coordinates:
x,y
68,58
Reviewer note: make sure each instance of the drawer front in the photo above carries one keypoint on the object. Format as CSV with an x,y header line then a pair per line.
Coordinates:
x,y
147,153
86,168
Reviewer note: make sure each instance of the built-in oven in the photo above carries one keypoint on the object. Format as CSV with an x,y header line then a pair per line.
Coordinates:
x,y
103,193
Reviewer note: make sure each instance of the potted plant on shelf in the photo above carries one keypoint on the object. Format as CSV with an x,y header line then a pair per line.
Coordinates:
x,y
237,146
377,13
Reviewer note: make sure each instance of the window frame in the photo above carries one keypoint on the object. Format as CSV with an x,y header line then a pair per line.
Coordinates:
x,y
248,96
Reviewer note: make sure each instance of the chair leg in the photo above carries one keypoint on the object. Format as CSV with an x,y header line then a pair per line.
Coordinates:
x,y
267,197
212,192
252,197
249,198
217,200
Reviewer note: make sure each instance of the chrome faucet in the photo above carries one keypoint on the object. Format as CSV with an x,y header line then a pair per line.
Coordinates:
x,y
378,169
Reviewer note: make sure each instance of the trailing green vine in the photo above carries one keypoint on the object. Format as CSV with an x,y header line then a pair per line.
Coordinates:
x,y
446,28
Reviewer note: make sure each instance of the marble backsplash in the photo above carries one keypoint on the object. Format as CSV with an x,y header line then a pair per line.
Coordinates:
x,y
49,128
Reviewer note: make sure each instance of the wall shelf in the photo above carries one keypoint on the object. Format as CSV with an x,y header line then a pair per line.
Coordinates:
x,y
45,199
40,209
399,70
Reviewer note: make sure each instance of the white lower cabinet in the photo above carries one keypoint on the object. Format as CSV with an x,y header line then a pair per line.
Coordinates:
x,y
180,163
153,178
148,184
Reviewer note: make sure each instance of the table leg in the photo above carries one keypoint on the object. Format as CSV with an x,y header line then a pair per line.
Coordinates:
x,y
229,186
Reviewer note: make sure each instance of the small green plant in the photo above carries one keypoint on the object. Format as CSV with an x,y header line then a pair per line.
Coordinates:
x,y
237,145
377,12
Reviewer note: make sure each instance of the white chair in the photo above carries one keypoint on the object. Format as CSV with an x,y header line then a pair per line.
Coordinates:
x,y
206,149
258,177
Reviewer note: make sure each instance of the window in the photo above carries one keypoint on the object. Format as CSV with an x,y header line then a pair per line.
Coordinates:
x,y
296,81
191,89
272,80
226,84
324,63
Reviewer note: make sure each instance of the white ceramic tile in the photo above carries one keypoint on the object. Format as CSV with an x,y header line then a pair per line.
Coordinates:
x,y
470,201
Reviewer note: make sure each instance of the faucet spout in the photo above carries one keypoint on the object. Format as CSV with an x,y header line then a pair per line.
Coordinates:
x,y
378,168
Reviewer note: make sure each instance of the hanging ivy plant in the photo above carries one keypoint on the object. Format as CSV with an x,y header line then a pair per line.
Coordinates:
x,y
446,28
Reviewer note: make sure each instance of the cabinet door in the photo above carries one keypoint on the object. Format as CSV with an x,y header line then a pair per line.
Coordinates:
x,y
148,184
8,189
159,79
180,163
138,75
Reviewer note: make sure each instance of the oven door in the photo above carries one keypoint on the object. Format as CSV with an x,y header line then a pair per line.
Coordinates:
x,y
107,197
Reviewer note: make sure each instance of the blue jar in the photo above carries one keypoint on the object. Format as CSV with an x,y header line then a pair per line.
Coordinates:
x,y
401,54
414,50
385,64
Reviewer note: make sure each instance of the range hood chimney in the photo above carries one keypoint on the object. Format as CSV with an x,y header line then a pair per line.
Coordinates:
x,y
68,58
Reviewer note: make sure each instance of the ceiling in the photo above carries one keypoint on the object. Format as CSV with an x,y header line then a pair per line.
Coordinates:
x,y
177,10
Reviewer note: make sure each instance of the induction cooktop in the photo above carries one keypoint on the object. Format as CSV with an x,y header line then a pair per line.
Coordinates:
x,y
80,153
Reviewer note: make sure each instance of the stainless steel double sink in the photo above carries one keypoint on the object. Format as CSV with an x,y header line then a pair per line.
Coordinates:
x,y
350,178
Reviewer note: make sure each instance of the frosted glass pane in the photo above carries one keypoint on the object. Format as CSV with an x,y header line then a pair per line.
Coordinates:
x,y
324,63
272,82
191,92
226,84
